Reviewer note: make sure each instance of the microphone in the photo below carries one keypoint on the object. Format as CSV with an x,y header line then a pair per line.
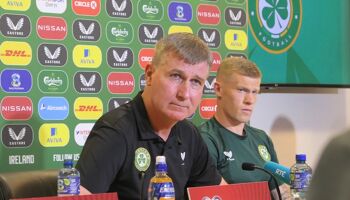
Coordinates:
x,y
281,172
252,167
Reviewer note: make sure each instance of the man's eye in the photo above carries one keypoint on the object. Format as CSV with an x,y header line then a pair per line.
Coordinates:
x,y
196,82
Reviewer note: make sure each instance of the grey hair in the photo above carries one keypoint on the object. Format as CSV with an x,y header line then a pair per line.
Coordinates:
x,y
185,46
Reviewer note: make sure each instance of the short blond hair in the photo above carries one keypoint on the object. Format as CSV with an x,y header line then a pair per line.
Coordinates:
x,y
238,65
185,46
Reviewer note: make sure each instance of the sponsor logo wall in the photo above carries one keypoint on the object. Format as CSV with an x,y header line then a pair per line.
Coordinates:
x,y
65,63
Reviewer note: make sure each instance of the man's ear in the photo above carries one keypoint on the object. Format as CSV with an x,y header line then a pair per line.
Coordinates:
x,y
149,69
217,89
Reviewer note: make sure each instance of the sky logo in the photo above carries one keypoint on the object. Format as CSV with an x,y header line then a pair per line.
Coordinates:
x,y
53,108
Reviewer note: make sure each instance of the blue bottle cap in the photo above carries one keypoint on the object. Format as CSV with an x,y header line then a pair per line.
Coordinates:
x,y
300,157
68,162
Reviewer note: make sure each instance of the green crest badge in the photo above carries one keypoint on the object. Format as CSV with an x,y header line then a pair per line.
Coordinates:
x,y
264,153
142,159
275,25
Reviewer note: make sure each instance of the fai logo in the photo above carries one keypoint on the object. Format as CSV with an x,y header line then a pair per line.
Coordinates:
x,y
180,12
17,135
264,153
216,61
53,108
87,82
209,85
208,14
235,17
88,108
207,108
116,102
210,36
118,57
52,81
119,8
15,53
87,56
86,7
150,9
16,108
16,80
149,33
51,28
119,32
15,25
86,30
52,54
17,5
142,159
275,25
121,82
57,7
236,40
54,135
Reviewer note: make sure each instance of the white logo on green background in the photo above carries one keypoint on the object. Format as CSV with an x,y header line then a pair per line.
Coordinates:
x,y
142,159
264,153
150,9
275,24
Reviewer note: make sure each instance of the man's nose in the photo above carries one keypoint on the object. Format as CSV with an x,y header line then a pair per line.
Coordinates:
x,y
184,90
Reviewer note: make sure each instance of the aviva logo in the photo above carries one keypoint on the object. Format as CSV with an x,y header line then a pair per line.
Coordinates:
x,y
18,5
15,53
88,108
87,56
236,40
179,29
54,135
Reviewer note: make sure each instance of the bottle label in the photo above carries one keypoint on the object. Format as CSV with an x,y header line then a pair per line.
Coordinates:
x,y
68,186
163,190
300,180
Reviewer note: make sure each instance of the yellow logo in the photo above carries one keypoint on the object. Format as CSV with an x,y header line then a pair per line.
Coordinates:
x,y
87,56
15,53
54,135
88,108
236,40
20,5
179,29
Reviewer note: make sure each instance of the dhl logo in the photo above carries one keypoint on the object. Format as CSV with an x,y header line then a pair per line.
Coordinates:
x,y
15,53
88,108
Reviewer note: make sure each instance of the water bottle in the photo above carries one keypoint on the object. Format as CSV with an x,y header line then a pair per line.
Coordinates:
x,y
161,185
68,182
300,177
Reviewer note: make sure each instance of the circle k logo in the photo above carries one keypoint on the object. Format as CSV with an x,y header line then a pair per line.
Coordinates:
x,y
207,108
16,108
145,57
121,83
86,7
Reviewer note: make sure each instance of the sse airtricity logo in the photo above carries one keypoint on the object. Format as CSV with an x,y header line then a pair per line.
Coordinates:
x,y
275,24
